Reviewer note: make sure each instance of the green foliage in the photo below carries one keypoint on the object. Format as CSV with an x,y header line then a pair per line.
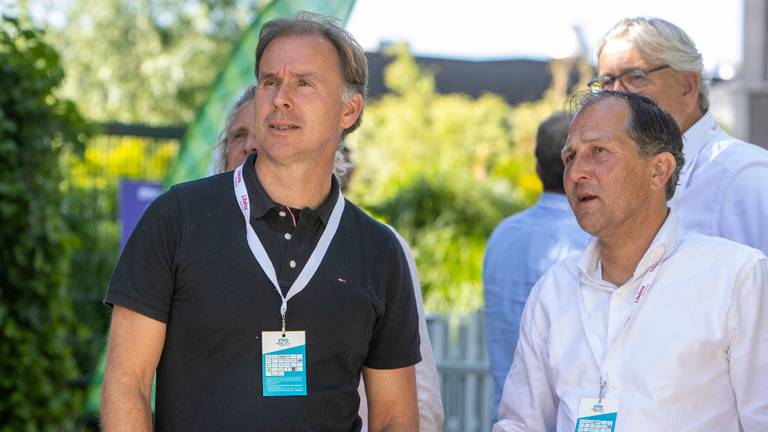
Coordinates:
x,y
91,213
147,61
36,319
445,169
430,165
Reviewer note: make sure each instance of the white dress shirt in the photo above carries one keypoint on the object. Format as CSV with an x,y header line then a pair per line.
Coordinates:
x,y
427,379
723,187
693,357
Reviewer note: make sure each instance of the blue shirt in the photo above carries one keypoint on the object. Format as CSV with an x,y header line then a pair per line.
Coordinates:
x,y
519,251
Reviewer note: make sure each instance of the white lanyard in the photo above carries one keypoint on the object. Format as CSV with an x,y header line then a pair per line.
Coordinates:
x,y
604,354
258,251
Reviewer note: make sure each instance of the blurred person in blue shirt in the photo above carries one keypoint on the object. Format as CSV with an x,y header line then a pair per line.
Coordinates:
x,y
524,246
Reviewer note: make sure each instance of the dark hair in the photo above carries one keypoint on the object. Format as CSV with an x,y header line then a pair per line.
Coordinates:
x,y
550,139
352,60
650,127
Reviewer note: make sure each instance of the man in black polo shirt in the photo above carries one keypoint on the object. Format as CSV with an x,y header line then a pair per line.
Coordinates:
x,y
259,296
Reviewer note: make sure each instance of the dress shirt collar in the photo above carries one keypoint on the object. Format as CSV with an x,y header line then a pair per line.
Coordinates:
x,y
261,203
696,137
667,239
554,200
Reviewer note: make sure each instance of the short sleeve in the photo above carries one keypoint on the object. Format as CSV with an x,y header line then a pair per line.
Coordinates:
x,y
143,278
395,338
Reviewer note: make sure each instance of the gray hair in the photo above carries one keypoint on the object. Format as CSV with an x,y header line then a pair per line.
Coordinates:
x,y
220,162
662,42
340,163
352,60
650,127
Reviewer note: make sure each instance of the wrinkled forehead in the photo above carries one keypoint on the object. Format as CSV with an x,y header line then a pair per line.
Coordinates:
x,y
301,51
618,55
599,118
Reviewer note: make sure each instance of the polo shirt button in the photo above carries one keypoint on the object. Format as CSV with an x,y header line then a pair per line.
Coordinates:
x,y
287,236
292,263
281,213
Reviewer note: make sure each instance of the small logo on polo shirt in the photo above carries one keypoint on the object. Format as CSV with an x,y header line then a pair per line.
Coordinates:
x,y
342,280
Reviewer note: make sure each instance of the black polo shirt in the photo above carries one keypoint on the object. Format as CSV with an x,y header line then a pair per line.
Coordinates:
x,y
288,235
188,264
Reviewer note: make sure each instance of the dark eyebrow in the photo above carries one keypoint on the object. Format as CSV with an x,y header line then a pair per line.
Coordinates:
x,y
584,140
264,75
301,75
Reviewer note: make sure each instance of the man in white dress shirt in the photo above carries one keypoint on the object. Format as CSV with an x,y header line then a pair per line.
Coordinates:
x,y
652,328
723,187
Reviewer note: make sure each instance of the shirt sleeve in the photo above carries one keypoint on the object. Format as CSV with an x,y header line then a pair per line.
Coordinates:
x,y
395,337
744,207
143,278
502,309
748,352
527,402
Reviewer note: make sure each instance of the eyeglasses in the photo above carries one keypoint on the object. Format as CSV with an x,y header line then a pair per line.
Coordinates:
x,y
634,80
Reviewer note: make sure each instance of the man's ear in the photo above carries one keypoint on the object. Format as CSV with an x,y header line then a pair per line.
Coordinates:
x,y
691,86
662,167
352,109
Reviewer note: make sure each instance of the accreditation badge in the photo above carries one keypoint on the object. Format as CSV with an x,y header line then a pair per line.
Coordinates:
x,y
597,415
284,363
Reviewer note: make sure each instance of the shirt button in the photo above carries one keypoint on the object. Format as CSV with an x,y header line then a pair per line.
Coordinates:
x,y
287,236
292,263
281,213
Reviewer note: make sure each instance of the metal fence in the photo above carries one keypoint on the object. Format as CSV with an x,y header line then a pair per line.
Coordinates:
x,y
465,380
91,213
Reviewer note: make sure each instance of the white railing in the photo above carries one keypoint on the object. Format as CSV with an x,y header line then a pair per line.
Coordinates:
x,y
462,360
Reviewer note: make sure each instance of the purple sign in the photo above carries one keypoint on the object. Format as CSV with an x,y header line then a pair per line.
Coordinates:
x,y
134,198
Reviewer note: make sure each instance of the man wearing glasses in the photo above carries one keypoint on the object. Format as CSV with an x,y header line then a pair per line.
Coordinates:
x,y
723,187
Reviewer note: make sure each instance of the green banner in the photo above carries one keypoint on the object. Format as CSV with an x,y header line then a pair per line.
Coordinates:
x,y
196,153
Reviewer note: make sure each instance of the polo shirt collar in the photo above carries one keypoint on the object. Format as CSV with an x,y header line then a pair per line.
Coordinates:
x,y
667,240
261,202
325,209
